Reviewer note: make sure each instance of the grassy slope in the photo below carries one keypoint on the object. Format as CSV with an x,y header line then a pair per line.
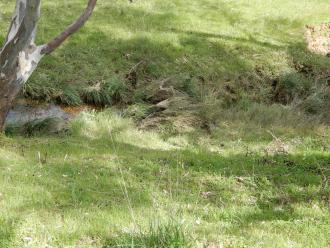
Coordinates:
x,y
105,184
219,41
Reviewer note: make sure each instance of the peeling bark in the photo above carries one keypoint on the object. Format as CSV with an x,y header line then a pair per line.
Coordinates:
x,y
20,56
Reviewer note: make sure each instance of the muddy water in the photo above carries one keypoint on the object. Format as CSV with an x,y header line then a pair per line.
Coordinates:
x,y
26,111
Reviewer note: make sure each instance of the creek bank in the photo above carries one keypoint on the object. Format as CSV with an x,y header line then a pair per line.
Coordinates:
x,y
30,117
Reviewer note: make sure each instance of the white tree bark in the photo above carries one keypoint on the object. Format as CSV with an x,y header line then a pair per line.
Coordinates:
x,y
20,56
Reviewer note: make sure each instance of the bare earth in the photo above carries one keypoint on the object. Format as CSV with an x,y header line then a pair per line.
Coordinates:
x,y
318,38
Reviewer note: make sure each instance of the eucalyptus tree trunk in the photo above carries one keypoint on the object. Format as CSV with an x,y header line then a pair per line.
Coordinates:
x,y
20,56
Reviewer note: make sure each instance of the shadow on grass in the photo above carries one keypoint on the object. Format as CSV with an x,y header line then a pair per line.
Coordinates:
x,y
99,175
164,40
94,181
245,60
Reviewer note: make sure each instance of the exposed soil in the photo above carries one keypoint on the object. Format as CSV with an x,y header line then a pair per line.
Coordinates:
x,y
318,38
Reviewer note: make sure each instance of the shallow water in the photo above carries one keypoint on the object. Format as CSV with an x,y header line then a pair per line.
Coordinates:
x,y
24,112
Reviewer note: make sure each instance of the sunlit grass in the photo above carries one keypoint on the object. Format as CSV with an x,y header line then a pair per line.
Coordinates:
x,y
106,183
219,41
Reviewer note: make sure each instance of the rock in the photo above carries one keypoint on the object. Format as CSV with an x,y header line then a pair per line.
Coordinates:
x,y
164,104
161,106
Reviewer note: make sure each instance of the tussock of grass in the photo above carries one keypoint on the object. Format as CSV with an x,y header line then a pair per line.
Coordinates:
x,y
110,125
158,236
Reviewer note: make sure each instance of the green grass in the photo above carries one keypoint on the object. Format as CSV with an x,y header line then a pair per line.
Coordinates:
x,y
157,236
247,45
108,184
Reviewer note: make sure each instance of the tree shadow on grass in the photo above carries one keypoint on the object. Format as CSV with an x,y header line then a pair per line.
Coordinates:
x,y
90,180
192,58
84,184
278,184
175,52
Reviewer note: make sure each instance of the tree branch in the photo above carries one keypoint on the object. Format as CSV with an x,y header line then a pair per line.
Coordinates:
x,y
22,37
17,19
74,27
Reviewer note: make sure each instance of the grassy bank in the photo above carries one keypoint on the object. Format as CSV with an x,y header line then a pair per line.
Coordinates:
x,y
108,184
231,50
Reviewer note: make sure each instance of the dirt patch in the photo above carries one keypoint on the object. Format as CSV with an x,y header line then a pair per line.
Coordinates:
x,y
318,38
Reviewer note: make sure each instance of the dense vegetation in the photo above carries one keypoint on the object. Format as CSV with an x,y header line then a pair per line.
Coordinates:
x,y
228,50
242,159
